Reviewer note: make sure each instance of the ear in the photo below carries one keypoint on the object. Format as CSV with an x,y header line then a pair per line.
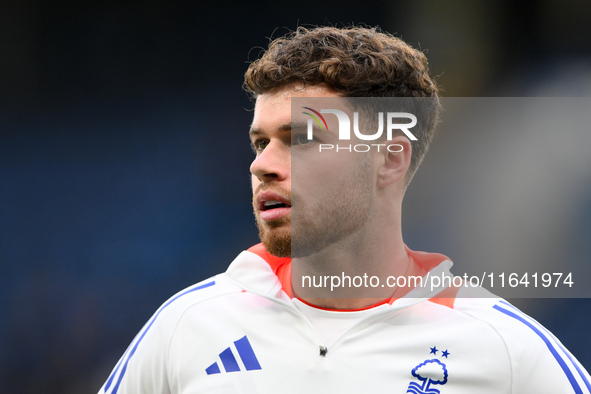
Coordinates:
x,y
396,160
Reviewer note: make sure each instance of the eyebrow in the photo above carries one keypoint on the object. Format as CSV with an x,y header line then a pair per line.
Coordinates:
x,y
284,127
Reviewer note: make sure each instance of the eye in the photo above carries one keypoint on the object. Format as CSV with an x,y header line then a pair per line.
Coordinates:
x,y
259,145
300,139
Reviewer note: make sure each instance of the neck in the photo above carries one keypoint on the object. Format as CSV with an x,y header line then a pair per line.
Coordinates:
x,y
349,274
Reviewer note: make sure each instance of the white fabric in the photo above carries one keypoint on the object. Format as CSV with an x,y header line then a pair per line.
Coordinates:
x,y
481,345
331,325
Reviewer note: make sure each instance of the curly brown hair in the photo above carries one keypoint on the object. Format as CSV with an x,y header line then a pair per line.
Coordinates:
x,y
355,62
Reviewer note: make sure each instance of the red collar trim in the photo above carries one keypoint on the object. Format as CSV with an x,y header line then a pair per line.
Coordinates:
x,y
420,262
281,266
386,301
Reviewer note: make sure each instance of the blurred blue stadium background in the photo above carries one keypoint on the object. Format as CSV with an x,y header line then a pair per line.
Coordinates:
x,y
124,155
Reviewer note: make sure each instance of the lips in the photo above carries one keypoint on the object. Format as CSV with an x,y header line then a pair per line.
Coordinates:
x,y
272,206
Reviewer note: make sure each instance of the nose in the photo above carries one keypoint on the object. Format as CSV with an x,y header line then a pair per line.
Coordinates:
x,y
273,163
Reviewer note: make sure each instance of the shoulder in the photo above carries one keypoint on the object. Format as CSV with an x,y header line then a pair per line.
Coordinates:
x,y
143,365
537,358
214,296
206,291
246,269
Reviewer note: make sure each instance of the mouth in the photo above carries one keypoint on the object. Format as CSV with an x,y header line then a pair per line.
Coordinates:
x,y
272,206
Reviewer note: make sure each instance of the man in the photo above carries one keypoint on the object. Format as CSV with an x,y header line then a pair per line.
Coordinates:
x,y
324,213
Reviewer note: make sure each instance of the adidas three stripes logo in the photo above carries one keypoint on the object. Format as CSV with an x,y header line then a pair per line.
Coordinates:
x,y
245,353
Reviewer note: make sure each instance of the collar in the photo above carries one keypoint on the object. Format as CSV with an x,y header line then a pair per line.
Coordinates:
x,y
260,272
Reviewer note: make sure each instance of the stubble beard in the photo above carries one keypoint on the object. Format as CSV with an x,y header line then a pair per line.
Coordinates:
x,y
277,238
275,234
342,214
310,230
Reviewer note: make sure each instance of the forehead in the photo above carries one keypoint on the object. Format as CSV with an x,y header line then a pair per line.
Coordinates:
x,y
275,106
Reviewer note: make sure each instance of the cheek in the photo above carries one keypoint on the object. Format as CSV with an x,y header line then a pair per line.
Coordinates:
x,y
255,182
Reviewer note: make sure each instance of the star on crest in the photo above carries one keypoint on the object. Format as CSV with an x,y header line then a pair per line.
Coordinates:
x,y
434,350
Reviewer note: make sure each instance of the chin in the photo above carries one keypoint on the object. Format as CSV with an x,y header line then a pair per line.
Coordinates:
x,y
277,241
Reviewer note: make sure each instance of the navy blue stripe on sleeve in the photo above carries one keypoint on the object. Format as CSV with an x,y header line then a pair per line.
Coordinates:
x,y
552,347
143,334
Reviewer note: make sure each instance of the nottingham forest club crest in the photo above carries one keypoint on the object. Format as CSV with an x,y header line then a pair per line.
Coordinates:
x,y
430,373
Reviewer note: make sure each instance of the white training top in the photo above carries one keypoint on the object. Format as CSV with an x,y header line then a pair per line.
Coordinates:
x,y
240,332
